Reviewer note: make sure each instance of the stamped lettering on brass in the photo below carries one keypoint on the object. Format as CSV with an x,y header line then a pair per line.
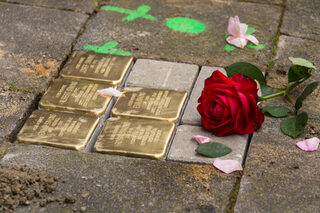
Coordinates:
x,y
60,129
150,103
75,95
135,137
97,67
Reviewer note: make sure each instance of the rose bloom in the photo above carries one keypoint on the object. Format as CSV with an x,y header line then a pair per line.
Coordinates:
x,y
229,105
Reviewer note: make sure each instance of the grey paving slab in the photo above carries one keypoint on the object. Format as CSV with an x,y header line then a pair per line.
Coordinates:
x,y
264,1
183,146
32,47
279,177
162,75
301,18
76,5
154,40
191,115
121,184
277,77
13,109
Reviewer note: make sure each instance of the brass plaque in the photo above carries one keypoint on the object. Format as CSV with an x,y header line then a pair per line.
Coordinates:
x,y
97,67
76,96
135,137
59,129
150,103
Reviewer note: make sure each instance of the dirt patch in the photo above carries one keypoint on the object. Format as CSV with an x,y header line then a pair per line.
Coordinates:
x,y
22,186
41,68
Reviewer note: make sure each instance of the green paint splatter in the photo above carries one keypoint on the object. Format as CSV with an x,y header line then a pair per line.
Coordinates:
x,y
229,47
250,30
141,12
107,48
258,47
185,25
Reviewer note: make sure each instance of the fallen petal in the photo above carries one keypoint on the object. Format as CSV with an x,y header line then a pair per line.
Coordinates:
x,y
252,39
236,41
243,29
201,139
227,166
109,92
234,26
309,145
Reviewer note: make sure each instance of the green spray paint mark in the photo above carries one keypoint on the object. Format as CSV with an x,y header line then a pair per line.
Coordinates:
x,y
141,12
257,47
229,47
250,31
107,48
185,25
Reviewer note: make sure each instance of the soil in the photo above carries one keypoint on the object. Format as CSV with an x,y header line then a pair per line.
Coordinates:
x,y
22,186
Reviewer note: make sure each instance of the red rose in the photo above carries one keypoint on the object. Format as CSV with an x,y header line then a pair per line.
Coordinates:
x,y
228,106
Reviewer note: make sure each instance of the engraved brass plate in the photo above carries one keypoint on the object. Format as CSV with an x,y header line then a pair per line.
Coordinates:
x,y
150,103
135,137
59,129
76,96
97,67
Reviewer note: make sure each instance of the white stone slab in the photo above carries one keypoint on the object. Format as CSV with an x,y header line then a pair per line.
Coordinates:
x,y
162,75
191,115
183,146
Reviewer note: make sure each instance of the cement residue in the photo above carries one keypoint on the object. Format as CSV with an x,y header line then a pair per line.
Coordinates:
x,y
22,186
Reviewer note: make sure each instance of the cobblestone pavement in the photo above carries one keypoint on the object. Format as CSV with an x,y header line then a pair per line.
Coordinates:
x,y
38,41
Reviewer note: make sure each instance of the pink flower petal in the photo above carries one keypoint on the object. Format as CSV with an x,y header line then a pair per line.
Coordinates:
x,y
309,145
252,39
237,41
201,139
227,166
243,29
109,92
234,26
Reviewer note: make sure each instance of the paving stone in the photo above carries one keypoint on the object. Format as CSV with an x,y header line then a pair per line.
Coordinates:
x,y
191,115
154,40
183,146
264,1
76,5
13,109
278,176
33,47
162,75
121,184
277,77
307,23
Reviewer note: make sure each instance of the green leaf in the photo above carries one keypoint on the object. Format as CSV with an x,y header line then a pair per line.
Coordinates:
x,y
294,126
245,68
302,62
265,90
276,111
213,149
250,30
229,47
226,35
297,72
307,91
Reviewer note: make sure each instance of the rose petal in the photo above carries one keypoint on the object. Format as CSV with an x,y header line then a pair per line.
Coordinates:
x,y
309,145
109,92
227,166
237,41
201,139
243,29
234,26
252,39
